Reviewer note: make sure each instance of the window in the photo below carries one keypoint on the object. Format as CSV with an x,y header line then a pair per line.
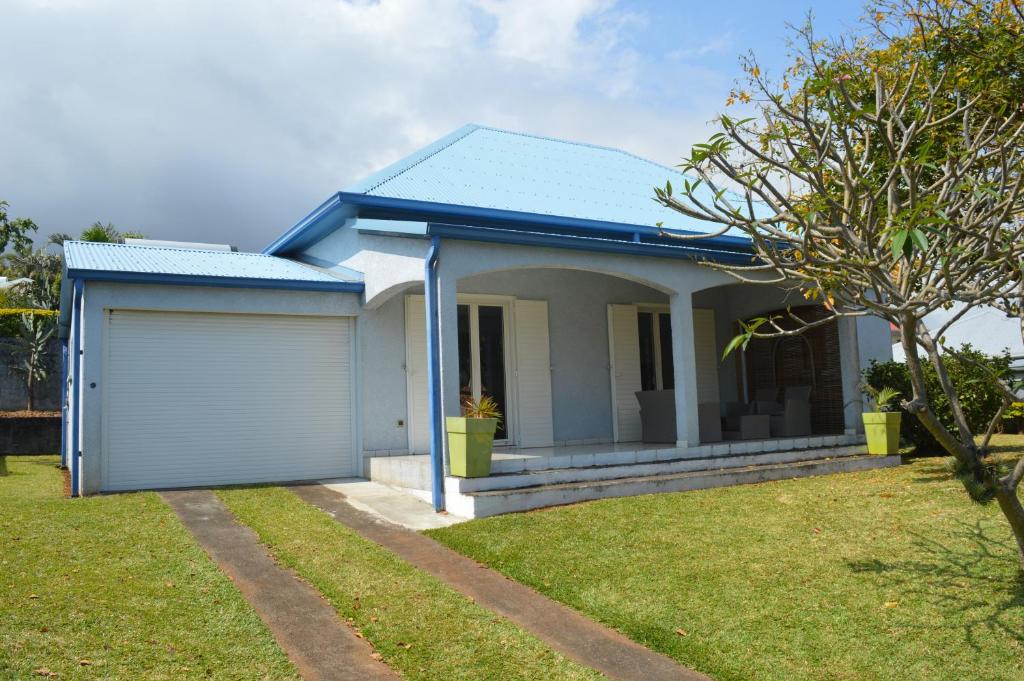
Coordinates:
x,y
656,368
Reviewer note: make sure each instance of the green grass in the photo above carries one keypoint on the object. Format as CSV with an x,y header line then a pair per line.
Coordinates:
x,y
888,574
420,626
114,587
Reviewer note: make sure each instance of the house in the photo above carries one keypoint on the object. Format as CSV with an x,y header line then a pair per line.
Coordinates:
x,y
523,267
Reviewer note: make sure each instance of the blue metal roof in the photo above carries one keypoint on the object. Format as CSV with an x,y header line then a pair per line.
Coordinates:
x,y
485,177
152,264
491,168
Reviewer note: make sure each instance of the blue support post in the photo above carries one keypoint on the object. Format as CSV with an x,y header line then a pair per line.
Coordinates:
x,y
64,404
74,453
430,290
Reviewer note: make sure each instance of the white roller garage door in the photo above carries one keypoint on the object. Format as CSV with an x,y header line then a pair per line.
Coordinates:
x,y
194,399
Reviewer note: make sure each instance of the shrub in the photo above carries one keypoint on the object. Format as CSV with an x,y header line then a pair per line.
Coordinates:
x,y
978,396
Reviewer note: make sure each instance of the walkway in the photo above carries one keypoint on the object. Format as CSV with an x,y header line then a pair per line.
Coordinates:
x,y
309,630
564,629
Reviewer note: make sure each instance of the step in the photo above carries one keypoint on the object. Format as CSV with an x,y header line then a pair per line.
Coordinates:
x,y
493,502
623,454
546,476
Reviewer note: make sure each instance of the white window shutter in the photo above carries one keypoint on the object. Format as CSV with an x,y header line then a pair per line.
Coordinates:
x,y
417,390
533,374
624,349
705,353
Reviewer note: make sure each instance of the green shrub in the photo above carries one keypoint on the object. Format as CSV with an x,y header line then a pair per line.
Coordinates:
x,y
1013,418
978,397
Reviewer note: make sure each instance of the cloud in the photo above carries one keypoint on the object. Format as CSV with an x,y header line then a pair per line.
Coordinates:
x,y
228,121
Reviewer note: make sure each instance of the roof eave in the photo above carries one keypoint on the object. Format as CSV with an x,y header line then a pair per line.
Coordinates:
x,y
588,243
216,281
346,205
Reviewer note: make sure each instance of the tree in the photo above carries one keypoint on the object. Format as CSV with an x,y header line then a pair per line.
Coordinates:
x,y
30,350
883,174
106,233
16,233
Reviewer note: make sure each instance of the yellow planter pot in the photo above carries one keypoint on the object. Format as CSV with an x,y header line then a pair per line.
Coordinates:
x,y
470,442
883,432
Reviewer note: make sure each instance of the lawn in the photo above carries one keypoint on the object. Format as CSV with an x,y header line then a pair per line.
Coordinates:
x,y
888,574
421,627
114,587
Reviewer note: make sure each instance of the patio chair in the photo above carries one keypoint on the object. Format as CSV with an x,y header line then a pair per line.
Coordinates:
x,y
657,415
790,416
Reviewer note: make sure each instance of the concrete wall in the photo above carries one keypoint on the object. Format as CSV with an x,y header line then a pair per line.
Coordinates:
x,y
101,296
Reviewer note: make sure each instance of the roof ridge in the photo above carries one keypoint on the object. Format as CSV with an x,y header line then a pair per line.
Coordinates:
x,y
589,145
409,162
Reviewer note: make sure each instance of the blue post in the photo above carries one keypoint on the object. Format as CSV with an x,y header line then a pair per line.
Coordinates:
x,y
64,404
75,453
430,291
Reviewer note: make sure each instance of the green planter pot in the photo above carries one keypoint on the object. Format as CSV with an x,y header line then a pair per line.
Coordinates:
x,y
883,432
470,442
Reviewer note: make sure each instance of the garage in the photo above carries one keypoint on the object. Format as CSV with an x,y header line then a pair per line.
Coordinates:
x,y
195,399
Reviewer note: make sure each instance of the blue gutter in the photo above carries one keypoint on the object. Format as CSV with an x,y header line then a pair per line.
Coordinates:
x,y
75,452
434,375
327,218
587,243
64,405
229,282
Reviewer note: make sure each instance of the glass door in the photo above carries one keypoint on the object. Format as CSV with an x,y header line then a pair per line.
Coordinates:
x,y
482,366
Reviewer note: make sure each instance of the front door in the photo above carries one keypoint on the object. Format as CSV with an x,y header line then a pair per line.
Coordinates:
x,y
482,357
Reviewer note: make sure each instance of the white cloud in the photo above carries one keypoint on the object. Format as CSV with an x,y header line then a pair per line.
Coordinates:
x,y
227,121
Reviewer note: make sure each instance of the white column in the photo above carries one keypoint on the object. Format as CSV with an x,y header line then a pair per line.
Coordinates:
x,y
448,314
685,366
849,362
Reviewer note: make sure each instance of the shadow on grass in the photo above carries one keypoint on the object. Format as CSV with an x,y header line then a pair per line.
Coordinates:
x,y
978,577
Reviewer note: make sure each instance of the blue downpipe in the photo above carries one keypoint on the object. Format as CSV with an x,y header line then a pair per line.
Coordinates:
x,y
430,289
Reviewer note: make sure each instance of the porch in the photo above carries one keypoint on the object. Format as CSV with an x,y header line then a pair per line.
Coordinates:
x,y
604,369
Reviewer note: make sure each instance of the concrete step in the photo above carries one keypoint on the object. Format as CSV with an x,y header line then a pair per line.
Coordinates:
x,y
551,476
484,503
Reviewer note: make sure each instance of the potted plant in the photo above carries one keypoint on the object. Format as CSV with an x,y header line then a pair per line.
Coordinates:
x,y
882,426
471,438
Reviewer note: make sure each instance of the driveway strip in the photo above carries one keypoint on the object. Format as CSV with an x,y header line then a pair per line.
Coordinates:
x,y
309,630
561,627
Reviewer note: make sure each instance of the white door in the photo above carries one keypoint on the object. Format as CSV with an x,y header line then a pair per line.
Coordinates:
x,y
193,399
624,348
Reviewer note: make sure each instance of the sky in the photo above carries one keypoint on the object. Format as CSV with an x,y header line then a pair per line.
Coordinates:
x,y
227,121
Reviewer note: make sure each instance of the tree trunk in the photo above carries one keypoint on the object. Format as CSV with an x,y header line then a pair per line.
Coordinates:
x,y
966,452
1011,507
918,405
31,402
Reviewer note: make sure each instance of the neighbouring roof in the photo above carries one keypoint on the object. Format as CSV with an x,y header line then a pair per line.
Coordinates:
x,y
165,265
491,168
485,183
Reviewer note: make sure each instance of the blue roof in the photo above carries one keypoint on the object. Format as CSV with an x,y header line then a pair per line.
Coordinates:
x,y
153,264
479,177
490,168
